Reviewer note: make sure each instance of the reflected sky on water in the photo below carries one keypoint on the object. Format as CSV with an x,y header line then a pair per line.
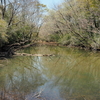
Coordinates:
x,y
69,75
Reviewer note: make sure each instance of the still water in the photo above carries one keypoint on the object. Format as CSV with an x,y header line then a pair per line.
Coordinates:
x,y
69,75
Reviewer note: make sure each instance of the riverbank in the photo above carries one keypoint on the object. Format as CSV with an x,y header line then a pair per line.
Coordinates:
x,y
68,46
10,50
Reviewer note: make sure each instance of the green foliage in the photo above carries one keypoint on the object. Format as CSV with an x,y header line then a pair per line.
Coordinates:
x,y
3,29
65,40
19,33
78,21
19,21
54,38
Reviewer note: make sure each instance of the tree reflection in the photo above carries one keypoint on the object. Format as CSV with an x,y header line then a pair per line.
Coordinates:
x,y
76,75
20,78
69,75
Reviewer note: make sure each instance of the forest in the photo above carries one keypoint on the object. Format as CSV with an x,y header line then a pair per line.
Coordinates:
x,y
49,54
72,23
20,22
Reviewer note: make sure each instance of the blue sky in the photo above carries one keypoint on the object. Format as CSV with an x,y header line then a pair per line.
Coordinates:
x,y
50,3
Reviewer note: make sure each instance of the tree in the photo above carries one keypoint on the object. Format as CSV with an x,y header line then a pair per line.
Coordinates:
x,y
78,22
3,35
23,19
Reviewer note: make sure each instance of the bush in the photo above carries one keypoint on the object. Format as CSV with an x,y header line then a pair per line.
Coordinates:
x,y
65,40
54,37
3,35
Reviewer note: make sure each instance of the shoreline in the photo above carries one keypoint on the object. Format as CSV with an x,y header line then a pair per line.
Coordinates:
x,y
10,53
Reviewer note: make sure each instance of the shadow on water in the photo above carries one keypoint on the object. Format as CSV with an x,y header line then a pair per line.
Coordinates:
x,y
69,75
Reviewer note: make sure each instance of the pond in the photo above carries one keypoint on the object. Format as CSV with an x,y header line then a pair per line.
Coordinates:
x,y
69,75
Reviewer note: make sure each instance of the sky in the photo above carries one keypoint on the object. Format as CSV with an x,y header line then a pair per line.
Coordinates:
x,y
50,3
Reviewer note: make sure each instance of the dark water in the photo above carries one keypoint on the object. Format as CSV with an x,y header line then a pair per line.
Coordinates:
x,y
69,75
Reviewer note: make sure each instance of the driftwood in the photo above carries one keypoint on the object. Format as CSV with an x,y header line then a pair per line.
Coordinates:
x,y
38,55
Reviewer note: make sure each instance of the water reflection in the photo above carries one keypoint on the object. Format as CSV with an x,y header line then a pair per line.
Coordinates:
x,y
69,75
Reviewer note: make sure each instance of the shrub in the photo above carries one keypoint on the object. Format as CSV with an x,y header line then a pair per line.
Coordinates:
x,y
3,29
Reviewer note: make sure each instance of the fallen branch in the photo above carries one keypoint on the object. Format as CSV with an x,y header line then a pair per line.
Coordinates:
x,y
26,54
